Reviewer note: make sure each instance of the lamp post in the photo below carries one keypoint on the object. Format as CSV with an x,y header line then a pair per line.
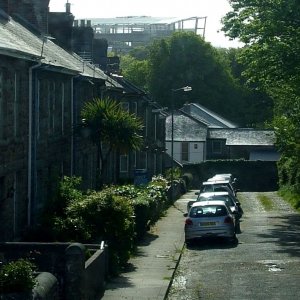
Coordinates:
x,y
184,89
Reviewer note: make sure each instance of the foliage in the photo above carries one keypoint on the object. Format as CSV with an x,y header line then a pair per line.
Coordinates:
x,y
175,172
136,71
270,29
17,276
185,59
255,107
214,74
112,126
117,214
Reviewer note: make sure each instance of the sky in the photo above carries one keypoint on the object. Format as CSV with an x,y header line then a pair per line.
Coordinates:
x,y
214,10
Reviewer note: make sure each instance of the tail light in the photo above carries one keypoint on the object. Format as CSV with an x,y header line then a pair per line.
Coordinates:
x,y
228,220
188,222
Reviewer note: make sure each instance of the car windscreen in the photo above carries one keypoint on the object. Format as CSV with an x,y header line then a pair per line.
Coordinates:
x,y
208,211
225,198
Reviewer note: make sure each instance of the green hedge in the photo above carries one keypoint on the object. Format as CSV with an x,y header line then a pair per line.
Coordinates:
x,y
118,215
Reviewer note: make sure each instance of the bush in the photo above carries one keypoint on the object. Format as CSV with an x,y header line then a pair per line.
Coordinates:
x,y
17,277
104,216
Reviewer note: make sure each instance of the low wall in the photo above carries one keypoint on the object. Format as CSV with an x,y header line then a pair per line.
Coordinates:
x,y
64,271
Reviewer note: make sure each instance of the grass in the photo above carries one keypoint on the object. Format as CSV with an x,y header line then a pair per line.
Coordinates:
x,y
292,197
266,202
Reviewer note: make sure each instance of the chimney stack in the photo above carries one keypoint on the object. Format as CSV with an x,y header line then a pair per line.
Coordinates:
x,y
33,11
68,7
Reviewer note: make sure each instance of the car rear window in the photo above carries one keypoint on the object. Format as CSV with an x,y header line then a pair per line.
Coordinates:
x,y
208,211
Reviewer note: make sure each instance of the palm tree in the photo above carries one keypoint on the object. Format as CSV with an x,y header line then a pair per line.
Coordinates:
x,y
110,126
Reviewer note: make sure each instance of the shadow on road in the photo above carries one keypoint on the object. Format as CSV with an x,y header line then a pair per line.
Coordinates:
x,y
286,233
212,243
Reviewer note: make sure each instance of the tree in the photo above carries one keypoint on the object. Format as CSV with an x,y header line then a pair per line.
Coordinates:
x,y
213,73
271,31
136,71
110,126
256,107
185,59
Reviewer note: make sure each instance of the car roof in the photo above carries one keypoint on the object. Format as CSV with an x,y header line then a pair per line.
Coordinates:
x,y
214,181
208,194
223,175
209,202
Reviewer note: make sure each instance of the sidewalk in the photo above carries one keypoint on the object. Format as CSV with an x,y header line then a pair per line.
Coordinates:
x,y
151,270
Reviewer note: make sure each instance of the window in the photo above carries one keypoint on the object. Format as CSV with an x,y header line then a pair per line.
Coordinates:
x,y
50,107
123,163
62,107
1,105
134,159
125,106
216,147
38,109
143,160
135,110
184,151
195,146
16,105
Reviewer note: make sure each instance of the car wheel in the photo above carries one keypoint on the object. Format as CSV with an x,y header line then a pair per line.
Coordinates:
x,y
233,240
238,227
188,243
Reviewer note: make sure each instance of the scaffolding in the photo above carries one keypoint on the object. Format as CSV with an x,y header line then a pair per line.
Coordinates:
x,y
124,33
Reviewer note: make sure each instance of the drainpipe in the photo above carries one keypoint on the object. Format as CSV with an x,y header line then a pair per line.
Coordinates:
x,y
72,122
31,144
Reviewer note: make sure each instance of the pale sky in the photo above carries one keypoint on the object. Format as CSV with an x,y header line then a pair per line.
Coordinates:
x,y
214,10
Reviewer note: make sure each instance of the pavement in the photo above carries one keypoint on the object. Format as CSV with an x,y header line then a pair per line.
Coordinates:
x,y
150,272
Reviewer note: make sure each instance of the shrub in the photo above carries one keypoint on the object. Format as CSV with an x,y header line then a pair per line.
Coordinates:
x,y
105,216
17,276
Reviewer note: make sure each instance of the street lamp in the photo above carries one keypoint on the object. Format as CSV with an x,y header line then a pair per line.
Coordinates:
x,y
184,89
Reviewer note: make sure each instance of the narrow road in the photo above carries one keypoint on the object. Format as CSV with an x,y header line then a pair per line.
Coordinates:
x,y
265,264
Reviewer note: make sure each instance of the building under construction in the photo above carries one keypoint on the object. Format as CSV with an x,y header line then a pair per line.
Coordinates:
x,y
124,33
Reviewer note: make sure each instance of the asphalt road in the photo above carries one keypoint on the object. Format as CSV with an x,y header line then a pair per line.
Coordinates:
x,y
264,264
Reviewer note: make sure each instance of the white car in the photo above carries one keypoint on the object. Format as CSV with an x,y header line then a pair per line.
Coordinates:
x,y
209,219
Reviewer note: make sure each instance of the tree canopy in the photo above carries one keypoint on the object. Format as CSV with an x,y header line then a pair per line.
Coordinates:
x,y
271,31
111,126
185,59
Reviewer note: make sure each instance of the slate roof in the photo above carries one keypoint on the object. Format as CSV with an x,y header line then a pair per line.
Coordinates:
x,y
18,41
185,129
244,136
205,115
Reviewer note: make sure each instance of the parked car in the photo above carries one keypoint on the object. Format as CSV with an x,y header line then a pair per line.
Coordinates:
x,y
225,176
212,185
209,219
228,198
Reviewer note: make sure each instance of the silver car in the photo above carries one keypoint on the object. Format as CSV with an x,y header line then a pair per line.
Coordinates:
x,y
209,219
